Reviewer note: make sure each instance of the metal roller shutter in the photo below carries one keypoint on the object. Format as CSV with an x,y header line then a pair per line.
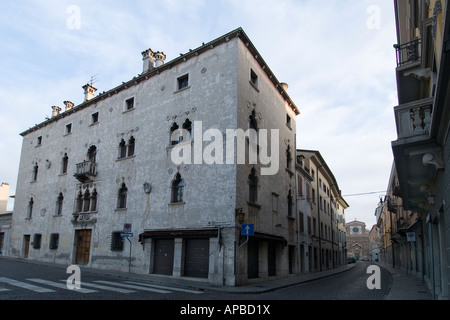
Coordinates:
x,y
253,259
163,255
196,258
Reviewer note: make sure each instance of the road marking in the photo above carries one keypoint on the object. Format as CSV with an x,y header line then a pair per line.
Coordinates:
x,y
132,286
164,287
61,286
99,286
24,285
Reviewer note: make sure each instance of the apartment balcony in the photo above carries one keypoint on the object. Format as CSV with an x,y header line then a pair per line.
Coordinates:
x,y
413,120
416,154
86,171
408,54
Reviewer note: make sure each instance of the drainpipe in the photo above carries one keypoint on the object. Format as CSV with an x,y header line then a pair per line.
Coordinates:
x,y
392,242
430,228
318,215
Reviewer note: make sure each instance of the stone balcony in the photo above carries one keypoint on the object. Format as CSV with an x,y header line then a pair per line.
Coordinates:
x,y
416,154
413,120
86,171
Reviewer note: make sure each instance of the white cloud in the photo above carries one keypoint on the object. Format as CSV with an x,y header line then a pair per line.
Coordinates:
x,y
341,73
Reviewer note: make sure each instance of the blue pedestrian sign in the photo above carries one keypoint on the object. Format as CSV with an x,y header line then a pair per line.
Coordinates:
x,y
248,229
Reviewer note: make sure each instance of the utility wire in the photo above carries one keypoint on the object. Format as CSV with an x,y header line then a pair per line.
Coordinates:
x,y
362,194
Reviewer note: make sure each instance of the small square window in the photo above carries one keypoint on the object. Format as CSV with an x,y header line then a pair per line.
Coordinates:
x,y
253,78
95,118
129,104
288,120
183,82
69,128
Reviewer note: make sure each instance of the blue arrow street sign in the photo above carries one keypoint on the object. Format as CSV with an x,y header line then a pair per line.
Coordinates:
x,y
248,230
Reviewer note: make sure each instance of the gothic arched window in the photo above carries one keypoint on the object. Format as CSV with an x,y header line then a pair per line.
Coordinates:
x,y
122,197
177,189
253,186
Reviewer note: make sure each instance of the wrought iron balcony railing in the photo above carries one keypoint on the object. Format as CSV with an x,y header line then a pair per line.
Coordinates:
x,y
407,53
86,171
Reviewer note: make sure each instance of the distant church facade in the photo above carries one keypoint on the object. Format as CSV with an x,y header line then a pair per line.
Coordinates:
x,y
358,244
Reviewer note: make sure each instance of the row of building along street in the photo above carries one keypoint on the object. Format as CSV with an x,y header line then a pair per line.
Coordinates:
x,y
412,233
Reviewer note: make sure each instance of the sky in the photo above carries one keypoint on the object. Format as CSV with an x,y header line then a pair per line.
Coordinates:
x,y
336,56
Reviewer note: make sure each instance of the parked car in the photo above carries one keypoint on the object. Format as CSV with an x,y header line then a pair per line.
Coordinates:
x,y
351,260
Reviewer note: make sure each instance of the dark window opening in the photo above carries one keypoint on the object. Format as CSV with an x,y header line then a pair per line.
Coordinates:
x,y
183,82
175,137
37,241
177,189
54,241
65,163
117,242
130,104
131,146
59,204
253,123
253,186
95,118
122,197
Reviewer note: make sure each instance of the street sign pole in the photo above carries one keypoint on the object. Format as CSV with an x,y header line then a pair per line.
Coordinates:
x,y
127,234
239,259
129,261
246,230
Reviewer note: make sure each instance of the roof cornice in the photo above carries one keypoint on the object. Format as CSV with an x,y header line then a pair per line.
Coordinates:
x,y
237,33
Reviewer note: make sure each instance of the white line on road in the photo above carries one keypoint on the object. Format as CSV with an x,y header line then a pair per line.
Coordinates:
x,y
164,287
132,286
99,286
61,286
25,285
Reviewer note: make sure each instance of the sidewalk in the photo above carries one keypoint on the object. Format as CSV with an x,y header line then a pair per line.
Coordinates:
x,y
405,286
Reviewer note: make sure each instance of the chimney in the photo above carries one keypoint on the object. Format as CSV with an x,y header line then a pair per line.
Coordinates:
x,y
284,86
89,91
160,57
148,56
56,111
69,105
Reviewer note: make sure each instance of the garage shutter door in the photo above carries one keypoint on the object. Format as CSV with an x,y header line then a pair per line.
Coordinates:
x,y
253,259
163,255
196,258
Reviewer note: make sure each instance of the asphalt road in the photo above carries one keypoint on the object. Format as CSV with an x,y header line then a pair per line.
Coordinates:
x,y
24,280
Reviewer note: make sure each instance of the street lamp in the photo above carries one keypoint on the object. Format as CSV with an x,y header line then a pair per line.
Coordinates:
x,y
240,215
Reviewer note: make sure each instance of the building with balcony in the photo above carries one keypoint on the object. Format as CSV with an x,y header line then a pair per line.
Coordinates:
x,y
422,149
147,157
321,209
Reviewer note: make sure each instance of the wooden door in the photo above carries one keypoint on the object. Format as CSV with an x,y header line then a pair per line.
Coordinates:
x,y
26,241
253,259
2,237
83,246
